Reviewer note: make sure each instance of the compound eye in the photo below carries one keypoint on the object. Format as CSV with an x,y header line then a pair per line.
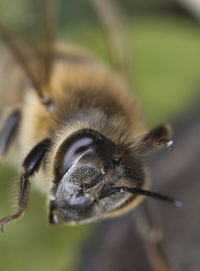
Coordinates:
x,y
70,150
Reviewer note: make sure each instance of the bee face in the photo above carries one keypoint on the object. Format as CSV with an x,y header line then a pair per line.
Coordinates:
x,y
88,165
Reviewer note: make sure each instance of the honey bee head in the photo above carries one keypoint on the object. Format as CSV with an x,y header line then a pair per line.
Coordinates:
x,y
89,169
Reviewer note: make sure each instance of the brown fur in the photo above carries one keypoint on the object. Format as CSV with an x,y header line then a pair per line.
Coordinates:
x,y
85,95
113,110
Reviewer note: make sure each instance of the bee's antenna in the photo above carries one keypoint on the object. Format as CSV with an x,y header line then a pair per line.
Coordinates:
x,y
16,52
138,191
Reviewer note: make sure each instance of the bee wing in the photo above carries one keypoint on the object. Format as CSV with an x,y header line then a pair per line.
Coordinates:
x,y
35,54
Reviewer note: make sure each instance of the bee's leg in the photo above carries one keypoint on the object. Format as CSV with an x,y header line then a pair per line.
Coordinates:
x,y
20,58
113,21
149,227
8,131
159,136
31,165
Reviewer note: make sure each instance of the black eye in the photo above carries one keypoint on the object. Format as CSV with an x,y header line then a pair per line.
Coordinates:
x,y
74,150
71,150
78,143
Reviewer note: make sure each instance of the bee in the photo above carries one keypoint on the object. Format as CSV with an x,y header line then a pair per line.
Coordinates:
x,y
80,135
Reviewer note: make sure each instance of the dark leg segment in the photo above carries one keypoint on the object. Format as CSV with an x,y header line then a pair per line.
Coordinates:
x,y
150,230
9,131
113,22
31,165
158,136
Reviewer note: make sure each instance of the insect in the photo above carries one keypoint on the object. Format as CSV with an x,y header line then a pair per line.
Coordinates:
x,y
80,134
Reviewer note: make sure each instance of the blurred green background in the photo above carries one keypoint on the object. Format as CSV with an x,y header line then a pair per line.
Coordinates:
x,y
164,39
